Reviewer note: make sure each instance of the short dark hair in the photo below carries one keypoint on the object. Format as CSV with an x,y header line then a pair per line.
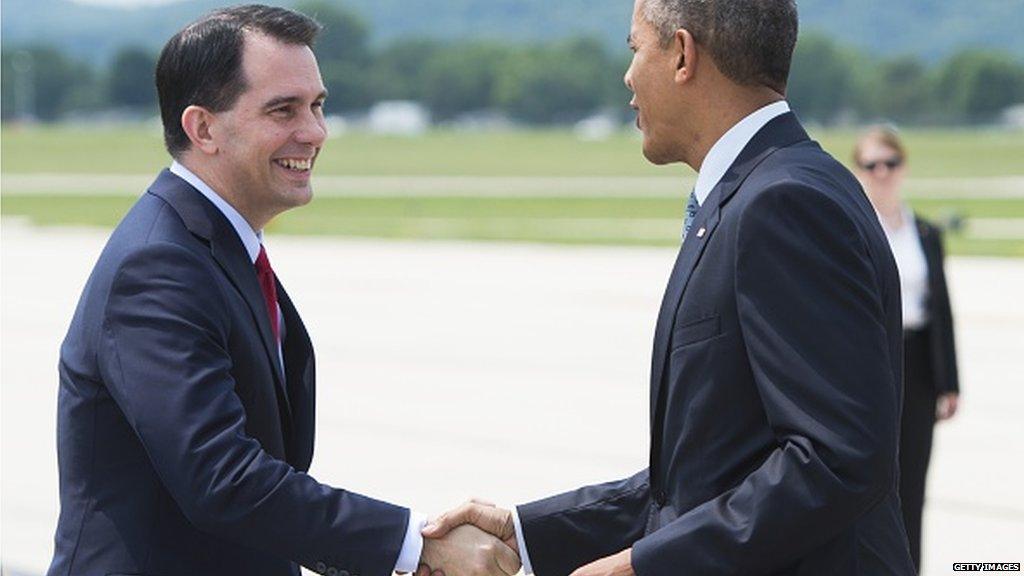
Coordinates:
x,y
202,64
751,41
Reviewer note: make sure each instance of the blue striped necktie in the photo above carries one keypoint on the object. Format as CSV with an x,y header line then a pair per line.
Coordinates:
x,y
691,213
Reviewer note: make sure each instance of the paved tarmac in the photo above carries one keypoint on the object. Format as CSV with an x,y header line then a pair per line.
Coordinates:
x,y
450,370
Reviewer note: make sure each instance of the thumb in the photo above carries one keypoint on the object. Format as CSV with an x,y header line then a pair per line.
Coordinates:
x,y
444,523
434,528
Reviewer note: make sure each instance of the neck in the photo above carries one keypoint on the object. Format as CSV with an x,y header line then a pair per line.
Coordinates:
x,y
891,211
725,107
219,185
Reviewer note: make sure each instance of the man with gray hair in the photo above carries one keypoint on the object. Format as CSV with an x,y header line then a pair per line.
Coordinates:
x,y
777,364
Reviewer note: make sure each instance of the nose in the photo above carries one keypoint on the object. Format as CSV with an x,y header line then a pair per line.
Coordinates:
x,y
313,130
628,78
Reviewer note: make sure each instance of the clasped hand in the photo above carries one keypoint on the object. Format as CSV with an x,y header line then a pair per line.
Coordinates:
x,y
475,539
479,518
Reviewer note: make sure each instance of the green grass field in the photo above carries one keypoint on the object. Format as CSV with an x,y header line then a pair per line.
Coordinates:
x,y
81,150
973,175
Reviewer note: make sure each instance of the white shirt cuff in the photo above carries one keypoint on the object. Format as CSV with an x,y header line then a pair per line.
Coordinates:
x,y
524,557
412,546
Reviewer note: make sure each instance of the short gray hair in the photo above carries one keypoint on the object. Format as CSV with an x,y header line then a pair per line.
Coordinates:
x,y
751,41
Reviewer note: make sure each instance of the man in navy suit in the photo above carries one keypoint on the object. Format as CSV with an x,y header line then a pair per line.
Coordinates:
x,y
185,415
776,374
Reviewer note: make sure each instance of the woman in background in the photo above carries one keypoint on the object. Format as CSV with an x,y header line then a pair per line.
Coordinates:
x,y
931,389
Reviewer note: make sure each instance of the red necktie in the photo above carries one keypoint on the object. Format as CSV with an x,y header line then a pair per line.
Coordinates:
x,y
265,274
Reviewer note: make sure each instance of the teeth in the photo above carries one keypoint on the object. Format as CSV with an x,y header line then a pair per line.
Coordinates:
x,y
296,164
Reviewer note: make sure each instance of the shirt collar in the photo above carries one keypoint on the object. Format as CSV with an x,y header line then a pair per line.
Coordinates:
x,y
725,151
908,224
251,239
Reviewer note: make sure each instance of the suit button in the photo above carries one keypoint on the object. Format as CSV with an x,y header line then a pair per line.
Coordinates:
x,y
660,498
332,571
320,568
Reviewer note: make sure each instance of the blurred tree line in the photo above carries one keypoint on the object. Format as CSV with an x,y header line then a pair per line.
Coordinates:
x,y
537,84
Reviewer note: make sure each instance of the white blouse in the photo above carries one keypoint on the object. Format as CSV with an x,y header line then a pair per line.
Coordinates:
x,y
913,268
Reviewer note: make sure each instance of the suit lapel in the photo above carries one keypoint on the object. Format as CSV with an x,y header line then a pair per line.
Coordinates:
x,y
689,254
300,379
780,132
203,219
233,259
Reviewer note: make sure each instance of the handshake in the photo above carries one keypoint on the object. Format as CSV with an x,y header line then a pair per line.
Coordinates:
x,y
479,539
475,539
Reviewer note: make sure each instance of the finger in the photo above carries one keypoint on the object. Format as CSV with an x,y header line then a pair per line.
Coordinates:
x,y
946,407
507,559
423,570
437,573
495,521
582,570
482,502
444,523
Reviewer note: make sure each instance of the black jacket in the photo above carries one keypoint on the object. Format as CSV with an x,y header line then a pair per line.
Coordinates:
x,y
775,391
182,447
940,325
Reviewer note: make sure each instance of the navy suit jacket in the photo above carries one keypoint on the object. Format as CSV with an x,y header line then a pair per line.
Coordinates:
x,y
775,391
182,445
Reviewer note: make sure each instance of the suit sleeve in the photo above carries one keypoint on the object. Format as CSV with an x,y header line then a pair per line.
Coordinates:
x,y
569,530
948,378
165,362
812,320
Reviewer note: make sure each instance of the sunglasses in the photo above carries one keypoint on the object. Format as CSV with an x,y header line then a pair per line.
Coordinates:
x,y
891,164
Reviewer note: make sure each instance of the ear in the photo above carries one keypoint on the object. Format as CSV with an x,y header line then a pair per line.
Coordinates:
x,y
684,48
198,125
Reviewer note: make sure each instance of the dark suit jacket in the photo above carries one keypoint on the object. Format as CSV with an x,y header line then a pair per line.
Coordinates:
x,y
940,325
182,450
775,391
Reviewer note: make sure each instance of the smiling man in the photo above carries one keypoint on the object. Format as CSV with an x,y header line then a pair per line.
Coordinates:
x,y
776,376
186,404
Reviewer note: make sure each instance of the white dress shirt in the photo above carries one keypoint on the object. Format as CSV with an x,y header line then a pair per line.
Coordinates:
x,y
412,545
251,239
913,268
721,156
727,149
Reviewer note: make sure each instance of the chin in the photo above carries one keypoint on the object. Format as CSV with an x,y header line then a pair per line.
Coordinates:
x,y
303,196
296,196
655,155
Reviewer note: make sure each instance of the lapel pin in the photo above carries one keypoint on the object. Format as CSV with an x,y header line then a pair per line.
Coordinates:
x,y
700,233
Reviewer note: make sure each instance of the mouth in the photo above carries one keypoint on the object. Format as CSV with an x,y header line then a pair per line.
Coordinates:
x,y
296,165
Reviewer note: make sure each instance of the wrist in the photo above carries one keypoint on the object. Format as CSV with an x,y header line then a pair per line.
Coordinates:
x,y
626,567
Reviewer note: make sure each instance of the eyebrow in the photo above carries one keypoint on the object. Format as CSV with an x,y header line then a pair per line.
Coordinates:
x,y
274,102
